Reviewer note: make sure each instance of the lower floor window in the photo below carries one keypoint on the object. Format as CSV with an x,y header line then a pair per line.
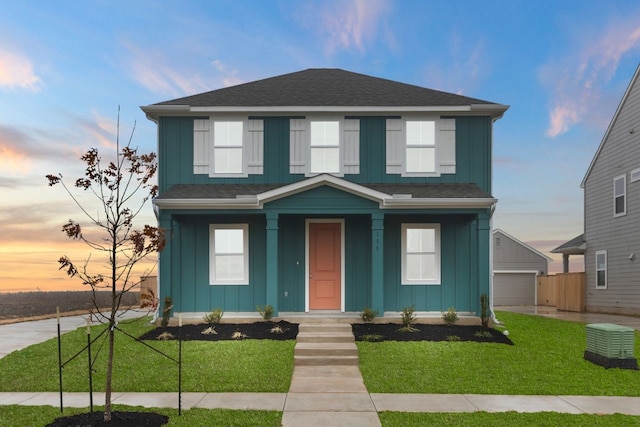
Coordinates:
x,y
601,269
229,254
420,254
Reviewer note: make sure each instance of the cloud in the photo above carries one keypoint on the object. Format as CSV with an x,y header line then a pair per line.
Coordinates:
x,y
17,71
347,25
577,82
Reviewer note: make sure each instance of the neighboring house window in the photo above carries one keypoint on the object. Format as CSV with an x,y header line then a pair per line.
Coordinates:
x,y
620,195
421,147
420,254
325,147
635,175
223,148
229,254
227,147
601,269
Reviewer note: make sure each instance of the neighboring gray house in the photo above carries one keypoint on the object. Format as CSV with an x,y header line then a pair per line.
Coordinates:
x,y
516,267
612,212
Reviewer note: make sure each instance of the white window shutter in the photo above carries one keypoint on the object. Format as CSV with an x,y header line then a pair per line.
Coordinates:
x,y
201,146
395,146
352,146
254,146
297,145
447,145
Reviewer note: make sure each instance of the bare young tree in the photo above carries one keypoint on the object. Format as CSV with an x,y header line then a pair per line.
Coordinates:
x,y
115,186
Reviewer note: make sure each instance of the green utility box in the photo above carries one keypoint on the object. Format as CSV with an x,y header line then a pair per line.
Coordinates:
x,y
610,345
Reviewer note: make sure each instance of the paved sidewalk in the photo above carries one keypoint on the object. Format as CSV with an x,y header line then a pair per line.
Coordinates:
x,y
348,402
628,321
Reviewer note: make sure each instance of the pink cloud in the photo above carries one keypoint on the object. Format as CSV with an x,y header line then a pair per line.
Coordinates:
x,y
17,71
577,83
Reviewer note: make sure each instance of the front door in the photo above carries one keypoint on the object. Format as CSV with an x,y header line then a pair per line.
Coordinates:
x,y
325,266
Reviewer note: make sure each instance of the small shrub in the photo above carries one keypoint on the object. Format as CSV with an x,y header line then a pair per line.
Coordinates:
x,y
483,334
165,336
372,337
450,316
266,312
214,317
485,313
276,330
408,319
368,314
237,335
209,331
453,338
166,311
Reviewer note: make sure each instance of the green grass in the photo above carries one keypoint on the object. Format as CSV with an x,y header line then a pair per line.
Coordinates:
x,y
21,416
223,366
547,358
486,419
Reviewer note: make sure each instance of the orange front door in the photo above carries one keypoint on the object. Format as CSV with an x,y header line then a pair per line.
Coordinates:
x,y
324,266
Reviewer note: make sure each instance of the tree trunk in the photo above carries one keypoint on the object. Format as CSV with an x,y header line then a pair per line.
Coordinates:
x,y
107,398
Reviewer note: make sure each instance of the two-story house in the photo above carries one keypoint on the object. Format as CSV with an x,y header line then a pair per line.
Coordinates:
x,y
612,212
325,190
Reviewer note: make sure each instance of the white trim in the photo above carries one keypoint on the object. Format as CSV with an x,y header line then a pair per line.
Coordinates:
x,y
384,200
610,127
606,269
306,259
245,237
523,244
535,273
634,175
437,251
624,194
153,112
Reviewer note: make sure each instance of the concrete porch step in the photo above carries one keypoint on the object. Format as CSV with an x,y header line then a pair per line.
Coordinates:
x,y
325,349
325,360
325,337
325,327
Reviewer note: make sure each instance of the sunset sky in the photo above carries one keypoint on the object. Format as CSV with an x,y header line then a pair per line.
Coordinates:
x,y
66,66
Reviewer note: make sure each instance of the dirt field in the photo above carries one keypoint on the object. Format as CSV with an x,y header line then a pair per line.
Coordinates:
x,y
42,305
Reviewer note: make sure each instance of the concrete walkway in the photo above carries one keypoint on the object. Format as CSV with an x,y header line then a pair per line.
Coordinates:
x,y
323,395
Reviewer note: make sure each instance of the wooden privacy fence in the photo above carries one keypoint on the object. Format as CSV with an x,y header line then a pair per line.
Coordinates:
x,y
565,291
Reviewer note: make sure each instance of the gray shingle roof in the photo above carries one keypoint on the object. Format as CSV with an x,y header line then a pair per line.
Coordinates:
x,y
230,191
319,87
575,246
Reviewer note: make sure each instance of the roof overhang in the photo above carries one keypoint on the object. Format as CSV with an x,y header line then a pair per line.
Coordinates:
x,y
154,112
385,201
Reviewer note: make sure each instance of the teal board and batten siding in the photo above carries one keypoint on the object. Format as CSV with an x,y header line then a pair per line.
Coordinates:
x,y
473,154
188,256
461,272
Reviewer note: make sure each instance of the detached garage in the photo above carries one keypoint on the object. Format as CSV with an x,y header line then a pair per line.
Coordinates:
x,y
516,267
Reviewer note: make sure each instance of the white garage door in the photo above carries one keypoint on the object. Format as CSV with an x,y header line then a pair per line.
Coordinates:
x,y
514,288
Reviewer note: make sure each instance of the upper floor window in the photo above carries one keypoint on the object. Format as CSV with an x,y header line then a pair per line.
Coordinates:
x,y
227,147
325,147
601,269
421,147
229,254
223,148
420,254
620,195
634,175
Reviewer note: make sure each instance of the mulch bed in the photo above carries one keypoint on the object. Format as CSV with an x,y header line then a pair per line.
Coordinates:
x,y
225,331
118,419
391,332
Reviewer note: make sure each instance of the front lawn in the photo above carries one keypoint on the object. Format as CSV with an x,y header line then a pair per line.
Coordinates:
x,y
223,366
546,358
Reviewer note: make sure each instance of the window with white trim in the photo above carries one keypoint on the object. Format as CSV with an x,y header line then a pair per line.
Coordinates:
x,y
227,147
229,254
634,175
601,269
420,254
620,195
421,146
324,144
